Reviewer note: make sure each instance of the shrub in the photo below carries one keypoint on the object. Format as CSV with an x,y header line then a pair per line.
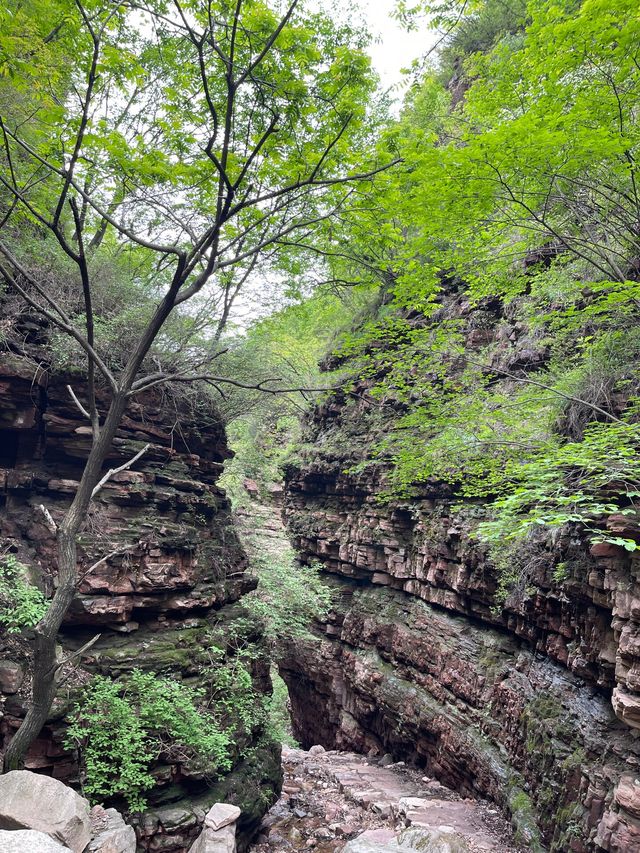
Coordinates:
x,y
22,605
289,596
578,482
230,683
121,728
279,717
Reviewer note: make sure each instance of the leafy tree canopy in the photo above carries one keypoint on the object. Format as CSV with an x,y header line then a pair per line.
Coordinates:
x,y
514,216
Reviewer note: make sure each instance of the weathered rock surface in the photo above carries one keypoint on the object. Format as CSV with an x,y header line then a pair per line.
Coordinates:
x,y
110,833
173,579
28,841
221,815
330,798
442,840
535,704
48,808
219,831
11,676
30,801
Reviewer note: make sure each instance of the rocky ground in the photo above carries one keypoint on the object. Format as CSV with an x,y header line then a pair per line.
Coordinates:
x,y
329,798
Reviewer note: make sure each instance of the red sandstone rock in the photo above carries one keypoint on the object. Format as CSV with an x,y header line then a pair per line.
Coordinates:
x,y
393,674
11,676
174,556
627,794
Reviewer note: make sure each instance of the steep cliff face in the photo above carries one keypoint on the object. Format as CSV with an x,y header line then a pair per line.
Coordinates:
x,y
167,579
534,704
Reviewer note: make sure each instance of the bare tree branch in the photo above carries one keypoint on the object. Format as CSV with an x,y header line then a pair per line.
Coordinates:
x,y
81,408
77,653
117,470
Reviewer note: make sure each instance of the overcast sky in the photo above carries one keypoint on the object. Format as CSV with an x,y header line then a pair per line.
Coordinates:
x,y
394,48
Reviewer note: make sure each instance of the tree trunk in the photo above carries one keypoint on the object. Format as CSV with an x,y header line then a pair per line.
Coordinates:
x,y
45,668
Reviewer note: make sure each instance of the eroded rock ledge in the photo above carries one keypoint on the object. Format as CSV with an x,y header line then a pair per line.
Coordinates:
x,y
535,706
176,572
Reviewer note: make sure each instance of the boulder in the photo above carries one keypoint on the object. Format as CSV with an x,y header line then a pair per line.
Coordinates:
x,y
219,831
31,801
221,815
110,833
373,841
627,794
441,840
11,676
28,841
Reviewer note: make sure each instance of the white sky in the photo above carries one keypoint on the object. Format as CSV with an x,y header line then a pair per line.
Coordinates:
x,y
394,48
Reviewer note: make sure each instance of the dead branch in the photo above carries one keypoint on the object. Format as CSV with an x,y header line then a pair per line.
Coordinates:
x,y
53,527
80,651
103,560
82,409
570,397
113,471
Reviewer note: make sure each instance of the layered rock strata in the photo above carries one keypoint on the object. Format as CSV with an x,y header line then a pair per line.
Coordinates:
x,y
164,573
533,703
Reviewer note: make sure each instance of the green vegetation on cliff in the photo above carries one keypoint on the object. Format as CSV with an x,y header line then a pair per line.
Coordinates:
x,y
507,245
159,163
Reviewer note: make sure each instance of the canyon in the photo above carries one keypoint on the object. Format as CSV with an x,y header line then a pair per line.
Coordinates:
x,y
532,704
413,310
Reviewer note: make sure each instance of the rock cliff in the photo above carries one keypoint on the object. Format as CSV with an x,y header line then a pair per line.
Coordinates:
x,y
533,704
167,579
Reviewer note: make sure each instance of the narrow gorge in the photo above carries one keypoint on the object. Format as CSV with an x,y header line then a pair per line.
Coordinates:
x,y
319,426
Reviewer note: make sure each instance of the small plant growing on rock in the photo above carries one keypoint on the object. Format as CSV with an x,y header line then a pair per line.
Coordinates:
x,y
121,728
231,683
22,604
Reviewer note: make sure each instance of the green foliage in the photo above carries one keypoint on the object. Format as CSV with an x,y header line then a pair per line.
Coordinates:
x,y
260,441
454,420
289,596
539,155
536,163
465,28
577,482
230,683
121,728
22,605
287,345
151,114
229,680
279,718
228,134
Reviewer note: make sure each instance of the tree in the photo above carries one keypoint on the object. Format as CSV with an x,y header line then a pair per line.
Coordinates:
x,y
541,154
189,138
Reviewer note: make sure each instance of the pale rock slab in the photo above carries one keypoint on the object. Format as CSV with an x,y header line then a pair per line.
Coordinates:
x,y
441,840
221,815
31,801
110,833
219,832
28,841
